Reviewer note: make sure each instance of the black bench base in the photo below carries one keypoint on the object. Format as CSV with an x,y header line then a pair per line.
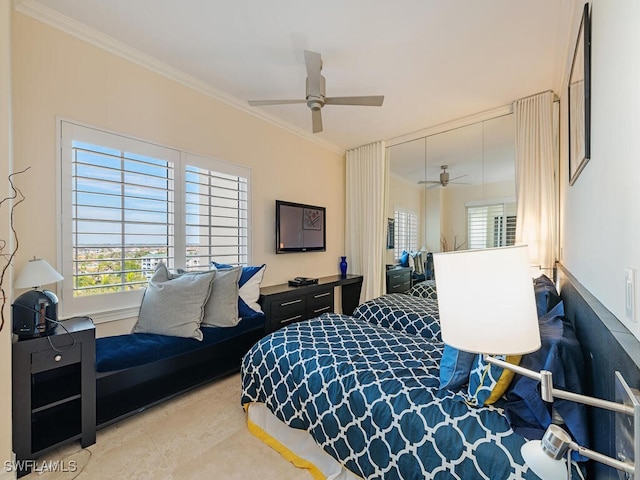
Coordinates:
x,y
122,393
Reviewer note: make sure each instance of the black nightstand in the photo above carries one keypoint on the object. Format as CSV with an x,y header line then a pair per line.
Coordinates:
x,y
54,390
398,279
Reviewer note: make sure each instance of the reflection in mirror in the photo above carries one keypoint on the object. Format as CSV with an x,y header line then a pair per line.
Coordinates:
x,y
470,204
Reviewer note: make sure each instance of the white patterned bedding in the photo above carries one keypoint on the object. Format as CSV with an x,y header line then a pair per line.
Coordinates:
x,y
369,397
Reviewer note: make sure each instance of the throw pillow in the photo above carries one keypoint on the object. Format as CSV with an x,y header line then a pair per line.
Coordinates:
x,y
487,382
546,295
418,263
221,310
404,259
455,367
249,291
174,305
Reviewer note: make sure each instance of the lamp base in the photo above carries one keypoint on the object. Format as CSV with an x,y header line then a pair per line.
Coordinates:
x,y
35,314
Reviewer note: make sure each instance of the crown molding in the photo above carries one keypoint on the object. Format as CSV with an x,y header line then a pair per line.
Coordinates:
x,y
68,25
453,124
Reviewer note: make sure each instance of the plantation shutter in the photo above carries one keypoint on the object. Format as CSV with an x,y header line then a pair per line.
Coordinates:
x,y
491,226
216,213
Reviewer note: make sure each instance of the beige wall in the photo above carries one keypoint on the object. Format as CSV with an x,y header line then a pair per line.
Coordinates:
x,y
432,217
5,169
56,74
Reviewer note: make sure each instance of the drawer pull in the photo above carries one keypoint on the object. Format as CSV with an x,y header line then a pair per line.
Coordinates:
x,y
322,309
57,358
320,295
291,302
288,320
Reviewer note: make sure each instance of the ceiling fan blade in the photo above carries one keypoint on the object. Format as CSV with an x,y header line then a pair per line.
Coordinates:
x,y
455,178
434,186
258,103
316,119
367,101
424,182
313,61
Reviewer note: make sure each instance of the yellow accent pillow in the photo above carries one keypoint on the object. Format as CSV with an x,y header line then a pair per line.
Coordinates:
x,y
487,383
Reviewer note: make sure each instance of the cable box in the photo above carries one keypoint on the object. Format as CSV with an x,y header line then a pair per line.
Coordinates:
x,y
302,281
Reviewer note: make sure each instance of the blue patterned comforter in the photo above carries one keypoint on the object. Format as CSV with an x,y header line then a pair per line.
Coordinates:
x,y
406,313
369,397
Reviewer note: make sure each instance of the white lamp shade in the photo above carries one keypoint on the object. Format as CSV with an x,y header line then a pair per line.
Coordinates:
x,y
37,272
486,301
542,465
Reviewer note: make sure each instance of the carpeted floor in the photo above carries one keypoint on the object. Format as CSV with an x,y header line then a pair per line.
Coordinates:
x,y
201,435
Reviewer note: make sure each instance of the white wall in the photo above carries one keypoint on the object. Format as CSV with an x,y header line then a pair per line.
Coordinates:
x,y
600,213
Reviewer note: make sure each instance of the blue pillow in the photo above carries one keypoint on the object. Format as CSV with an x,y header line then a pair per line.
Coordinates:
x,y
546,295
404,259
455,367
249,288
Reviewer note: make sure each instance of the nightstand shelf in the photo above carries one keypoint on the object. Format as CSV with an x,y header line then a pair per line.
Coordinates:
x,y
54,390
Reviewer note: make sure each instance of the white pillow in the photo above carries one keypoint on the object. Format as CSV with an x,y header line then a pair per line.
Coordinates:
x,y
174,305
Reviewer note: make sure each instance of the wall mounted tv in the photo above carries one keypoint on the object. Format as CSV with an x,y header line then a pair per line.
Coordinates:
x,y
300,228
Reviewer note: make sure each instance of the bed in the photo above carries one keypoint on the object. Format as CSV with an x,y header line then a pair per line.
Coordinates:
x,y
365,391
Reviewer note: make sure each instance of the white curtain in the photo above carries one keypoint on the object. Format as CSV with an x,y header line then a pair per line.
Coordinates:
x,y
535,181
367,173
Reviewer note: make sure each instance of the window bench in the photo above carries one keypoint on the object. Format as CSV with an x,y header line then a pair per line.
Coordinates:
x,y
137,371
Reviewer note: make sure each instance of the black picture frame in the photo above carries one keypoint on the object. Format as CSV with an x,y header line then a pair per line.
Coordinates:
x,y
391,233
579,100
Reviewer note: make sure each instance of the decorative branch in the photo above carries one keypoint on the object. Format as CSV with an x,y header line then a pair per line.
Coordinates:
x,y
17,194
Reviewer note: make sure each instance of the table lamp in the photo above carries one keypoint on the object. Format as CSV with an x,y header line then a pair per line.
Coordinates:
x,y
35,313
487,305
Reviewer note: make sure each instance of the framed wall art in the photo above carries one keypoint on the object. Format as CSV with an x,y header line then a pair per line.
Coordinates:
x,y
579,98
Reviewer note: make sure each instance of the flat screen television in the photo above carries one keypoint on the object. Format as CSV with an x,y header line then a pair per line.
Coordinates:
x,y
300,228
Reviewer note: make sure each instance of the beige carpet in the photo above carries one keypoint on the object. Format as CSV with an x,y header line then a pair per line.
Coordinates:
x,y
200,435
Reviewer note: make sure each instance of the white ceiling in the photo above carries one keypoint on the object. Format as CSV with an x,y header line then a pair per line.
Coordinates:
x,y
433,60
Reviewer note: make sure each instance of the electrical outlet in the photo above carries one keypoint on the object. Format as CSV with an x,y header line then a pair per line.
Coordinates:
x,y
630,294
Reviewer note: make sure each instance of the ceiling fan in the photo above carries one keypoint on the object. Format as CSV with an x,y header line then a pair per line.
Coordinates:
x,y
315,97
444,179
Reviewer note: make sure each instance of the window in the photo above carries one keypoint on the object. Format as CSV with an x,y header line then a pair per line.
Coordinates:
x,y
127,204
406,232
491,225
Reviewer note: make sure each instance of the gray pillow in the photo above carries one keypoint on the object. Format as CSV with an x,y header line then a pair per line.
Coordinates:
x,y
174,305
221,310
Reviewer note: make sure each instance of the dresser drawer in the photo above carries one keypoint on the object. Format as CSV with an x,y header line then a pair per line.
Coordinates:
x,y
49,359
398,280
319,303
291,309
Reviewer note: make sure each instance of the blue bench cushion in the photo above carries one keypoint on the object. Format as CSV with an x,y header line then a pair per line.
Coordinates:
x,y
134,349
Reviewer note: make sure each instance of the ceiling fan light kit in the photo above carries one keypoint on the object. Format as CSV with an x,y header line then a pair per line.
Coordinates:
x,y
316,93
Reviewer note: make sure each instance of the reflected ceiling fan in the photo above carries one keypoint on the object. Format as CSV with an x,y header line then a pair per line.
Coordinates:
x,y
444,179
315,98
